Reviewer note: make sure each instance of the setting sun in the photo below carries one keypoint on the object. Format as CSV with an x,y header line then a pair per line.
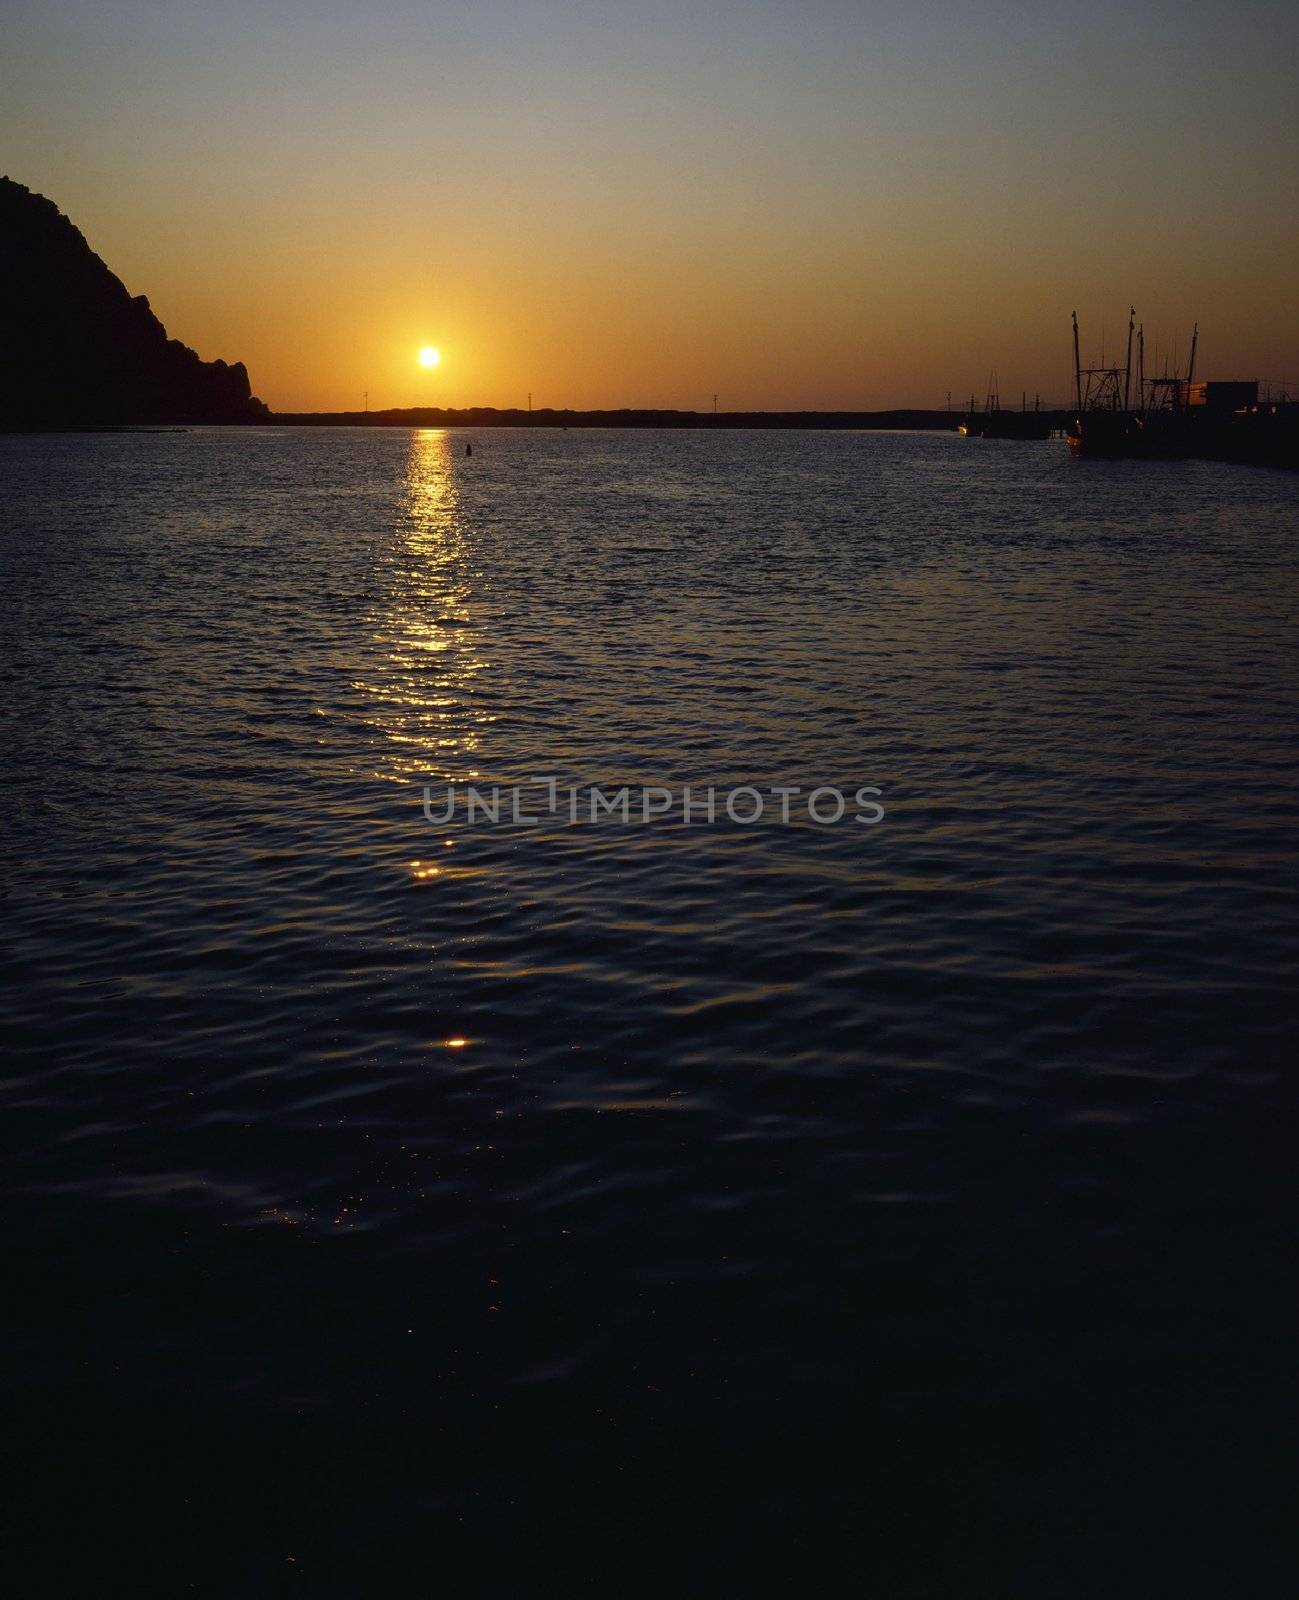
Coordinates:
x,y
429,357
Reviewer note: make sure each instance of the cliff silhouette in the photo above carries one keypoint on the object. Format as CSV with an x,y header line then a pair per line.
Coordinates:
x,y
76,350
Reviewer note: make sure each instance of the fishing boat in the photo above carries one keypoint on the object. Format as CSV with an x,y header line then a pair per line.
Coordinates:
x,y
998,422
1021,424
1106,425
1103,424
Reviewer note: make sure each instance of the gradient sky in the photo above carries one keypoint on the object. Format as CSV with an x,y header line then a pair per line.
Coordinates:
x,y
641,202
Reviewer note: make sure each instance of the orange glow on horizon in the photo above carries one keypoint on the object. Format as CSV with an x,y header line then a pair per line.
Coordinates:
x,y
783,214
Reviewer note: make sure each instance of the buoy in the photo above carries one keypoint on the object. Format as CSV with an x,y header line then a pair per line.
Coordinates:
x,y
469,449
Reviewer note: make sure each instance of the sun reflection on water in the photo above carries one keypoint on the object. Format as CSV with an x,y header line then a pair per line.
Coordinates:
x,y
420,693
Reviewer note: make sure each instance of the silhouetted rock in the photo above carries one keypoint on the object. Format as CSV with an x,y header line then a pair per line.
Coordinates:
x,y
76,350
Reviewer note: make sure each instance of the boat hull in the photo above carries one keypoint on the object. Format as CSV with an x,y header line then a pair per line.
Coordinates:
x,y
1122,435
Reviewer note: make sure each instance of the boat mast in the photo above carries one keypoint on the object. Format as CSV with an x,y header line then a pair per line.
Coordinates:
x,y
1190,371
1077,363
1127,365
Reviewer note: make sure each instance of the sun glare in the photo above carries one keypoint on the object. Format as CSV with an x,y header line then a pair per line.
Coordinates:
x,y
429,357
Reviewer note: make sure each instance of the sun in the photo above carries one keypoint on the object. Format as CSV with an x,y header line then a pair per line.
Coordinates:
x,y
429,357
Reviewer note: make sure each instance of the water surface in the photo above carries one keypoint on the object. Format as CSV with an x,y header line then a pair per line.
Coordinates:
x,y
959,1138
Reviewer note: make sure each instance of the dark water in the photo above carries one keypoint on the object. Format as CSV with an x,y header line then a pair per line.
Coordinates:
x,y
921,1187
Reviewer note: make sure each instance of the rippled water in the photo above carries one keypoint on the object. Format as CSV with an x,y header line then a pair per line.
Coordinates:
x,y
941,1149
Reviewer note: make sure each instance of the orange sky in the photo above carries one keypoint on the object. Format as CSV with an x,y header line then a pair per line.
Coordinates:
x,y
836,206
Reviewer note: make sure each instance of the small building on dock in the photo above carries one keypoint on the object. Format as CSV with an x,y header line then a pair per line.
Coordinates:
x,y
1238,394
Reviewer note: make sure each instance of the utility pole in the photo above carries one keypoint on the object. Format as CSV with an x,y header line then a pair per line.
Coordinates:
x,y
367,402
714,405
529,402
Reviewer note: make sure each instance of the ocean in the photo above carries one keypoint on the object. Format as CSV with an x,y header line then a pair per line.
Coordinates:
x,y
398,1194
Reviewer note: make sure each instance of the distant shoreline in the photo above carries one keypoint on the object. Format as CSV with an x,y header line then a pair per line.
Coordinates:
x,y
490,417
909,421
